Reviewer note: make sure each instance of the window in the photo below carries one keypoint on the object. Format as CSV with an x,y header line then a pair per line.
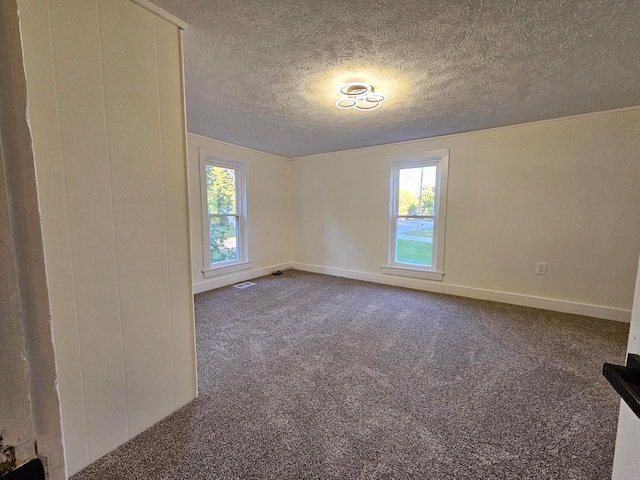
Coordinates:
x,y
417,216
224,215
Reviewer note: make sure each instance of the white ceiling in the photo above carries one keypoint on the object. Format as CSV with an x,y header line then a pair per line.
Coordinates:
x,y
264,73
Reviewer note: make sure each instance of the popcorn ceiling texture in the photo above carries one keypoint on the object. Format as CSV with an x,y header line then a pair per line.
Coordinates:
x,y
263,74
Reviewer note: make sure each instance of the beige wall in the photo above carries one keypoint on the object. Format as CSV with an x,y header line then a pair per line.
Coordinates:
x,y
105,94
565,192
269,211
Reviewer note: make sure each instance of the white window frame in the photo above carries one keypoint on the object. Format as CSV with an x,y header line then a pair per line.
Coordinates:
x,y
243,262
440,159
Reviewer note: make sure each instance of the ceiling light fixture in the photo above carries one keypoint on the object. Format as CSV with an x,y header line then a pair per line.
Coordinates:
x,y
359,95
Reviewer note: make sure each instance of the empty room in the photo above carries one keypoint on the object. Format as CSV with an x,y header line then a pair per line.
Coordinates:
x,y
285,239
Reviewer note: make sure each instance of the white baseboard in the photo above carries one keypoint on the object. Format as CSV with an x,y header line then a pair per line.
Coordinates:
x,y
597,311
233,278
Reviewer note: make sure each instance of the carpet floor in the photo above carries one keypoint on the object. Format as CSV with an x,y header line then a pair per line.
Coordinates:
x,y
311,376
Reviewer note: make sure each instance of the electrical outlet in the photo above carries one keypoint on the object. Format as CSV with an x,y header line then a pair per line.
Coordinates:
x,y
541,268
349,250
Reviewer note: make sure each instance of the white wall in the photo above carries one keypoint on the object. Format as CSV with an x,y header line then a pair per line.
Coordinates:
x,y
565,192
29,403
16,425
626,462
106,107
268,205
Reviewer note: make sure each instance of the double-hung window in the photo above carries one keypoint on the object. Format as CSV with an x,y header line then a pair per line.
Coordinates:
x,y
223,185
417,208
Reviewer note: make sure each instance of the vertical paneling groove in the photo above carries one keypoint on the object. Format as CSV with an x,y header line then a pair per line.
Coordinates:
x,y
70,440
113,222
81,113
164,203
29,406
131,98
177,208
105,91
189,386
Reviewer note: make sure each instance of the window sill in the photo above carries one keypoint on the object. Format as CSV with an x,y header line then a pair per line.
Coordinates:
x,y
223,270
412,272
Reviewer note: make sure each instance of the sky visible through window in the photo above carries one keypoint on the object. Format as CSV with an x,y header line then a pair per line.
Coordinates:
x,y
410,178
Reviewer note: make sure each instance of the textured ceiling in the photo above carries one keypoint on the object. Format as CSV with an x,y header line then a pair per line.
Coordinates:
x,y
264,73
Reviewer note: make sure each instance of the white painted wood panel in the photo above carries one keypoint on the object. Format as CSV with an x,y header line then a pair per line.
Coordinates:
x,y
176,204
89,202
106,102
135,149
36,33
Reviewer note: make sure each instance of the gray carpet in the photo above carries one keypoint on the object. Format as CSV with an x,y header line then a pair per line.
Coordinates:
x,y
311,376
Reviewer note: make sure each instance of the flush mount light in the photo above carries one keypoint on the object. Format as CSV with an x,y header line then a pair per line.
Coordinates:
x,y
359,95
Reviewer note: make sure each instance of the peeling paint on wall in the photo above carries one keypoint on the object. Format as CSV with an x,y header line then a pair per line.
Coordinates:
x,y
29,409
7,458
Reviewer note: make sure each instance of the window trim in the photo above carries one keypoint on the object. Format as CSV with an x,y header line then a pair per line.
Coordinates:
x,y
439,158
243,262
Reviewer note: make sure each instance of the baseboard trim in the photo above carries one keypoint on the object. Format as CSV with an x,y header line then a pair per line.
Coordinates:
x,y
597,311
236,277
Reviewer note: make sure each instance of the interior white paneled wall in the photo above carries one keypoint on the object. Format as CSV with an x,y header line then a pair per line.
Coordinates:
x,y
564,192
105,90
